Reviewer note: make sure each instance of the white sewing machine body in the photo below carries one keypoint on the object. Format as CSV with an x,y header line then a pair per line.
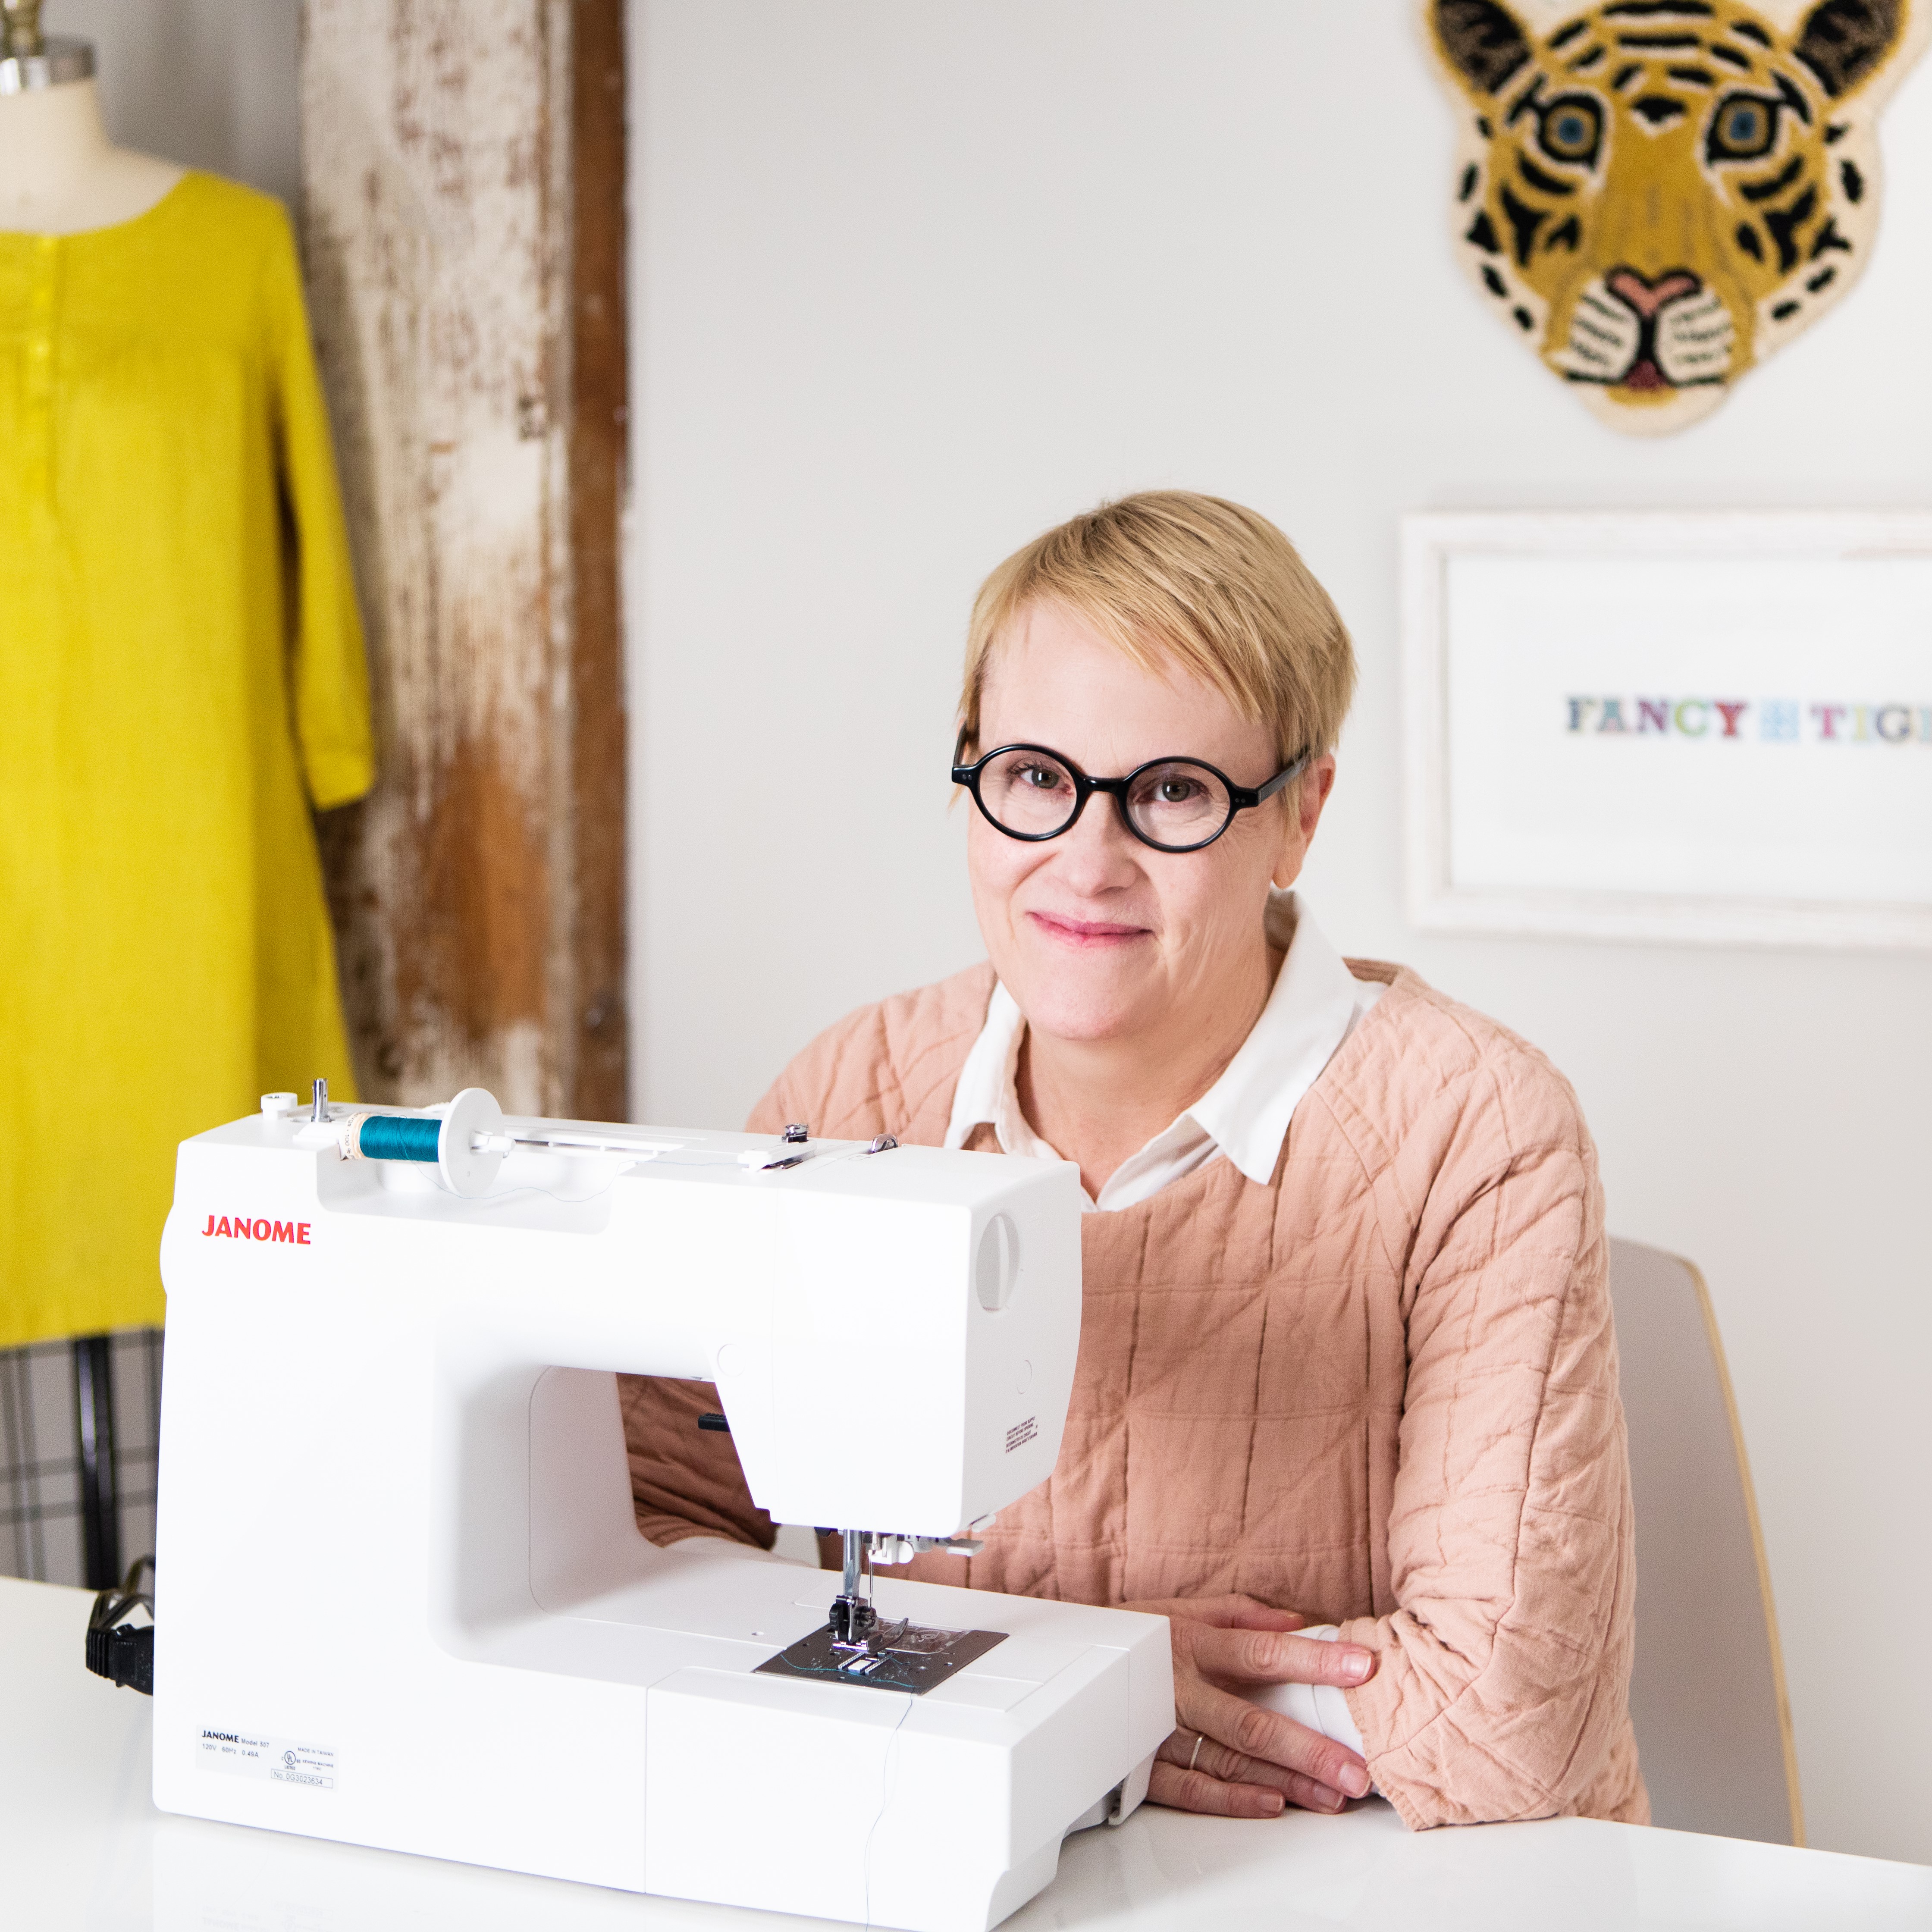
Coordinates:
x,y
402,1599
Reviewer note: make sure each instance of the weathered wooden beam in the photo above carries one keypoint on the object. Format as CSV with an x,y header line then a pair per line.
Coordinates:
x,y
467,301
599,460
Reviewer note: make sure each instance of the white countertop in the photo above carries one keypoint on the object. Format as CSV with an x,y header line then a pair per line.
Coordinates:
x,y
81,1847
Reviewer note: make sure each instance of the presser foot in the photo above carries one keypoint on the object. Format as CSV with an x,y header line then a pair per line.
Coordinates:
x,y
852,1622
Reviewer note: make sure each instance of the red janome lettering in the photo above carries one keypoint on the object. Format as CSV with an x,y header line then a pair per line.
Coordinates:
x,y
253,1228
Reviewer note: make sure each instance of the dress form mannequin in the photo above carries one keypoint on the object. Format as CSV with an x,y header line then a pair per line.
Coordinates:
x,y
59,173
182,686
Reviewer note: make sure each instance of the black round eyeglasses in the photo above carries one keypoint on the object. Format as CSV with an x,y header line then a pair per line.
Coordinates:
x,y
1174,805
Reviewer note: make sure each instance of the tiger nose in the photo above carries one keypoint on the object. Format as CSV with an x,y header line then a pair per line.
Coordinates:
x,y
1646,297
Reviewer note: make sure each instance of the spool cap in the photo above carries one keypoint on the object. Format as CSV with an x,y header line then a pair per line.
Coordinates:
x,y
464,1171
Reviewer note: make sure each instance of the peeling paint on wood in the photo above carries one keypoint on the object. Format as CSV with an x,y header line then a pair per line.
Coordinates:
x,y
479,890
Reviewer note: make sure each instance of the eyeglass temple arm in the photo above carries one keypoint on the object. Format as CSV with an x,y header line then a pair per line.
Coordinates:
x,y
1246,800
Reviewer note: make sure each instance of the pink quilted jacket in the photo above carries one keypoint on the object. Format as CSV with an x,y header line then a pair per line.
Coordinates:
x,y
1382,1391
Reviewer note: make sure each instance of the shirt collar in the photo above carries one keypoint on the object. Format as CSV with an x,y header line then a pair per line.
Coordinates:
x,y
1312,1007
987,1092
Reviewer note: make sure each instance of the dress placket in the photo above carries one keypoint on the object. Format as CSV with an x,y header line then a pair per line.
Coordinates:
x,y
42,299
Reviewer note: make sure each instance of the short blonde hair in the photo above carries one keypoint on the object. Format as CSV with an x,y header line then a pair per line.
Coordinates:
x,y
1176,578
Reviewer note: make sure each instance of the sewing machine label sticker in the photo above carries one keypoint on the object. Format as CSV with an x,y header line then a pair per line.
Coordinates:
x,y
1022,1433
281,1760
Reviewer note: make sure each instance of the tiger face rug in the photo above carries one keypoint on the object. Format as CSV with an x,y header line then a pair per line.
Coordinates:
x,y
1655,195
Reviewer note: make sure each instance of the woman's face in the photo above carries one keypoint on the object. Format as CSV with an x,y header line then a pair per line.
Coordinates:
x,y
1095,935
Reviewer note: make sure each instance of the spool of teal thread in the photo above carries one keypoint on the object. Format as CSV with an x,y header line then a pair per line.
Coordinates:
x,y
398,1137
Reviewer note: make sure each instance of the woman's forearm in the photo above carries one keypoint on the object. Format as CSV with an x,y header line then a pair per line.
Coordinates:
x,y
1503,1675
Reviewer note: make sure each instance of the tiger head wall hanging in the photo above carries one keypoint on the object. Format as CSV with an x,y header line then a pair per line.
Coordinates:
x,y
1655,195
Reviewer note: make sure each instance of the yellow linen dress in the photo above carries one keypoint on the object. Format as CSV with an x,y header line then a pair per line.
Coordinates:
x,y
181,678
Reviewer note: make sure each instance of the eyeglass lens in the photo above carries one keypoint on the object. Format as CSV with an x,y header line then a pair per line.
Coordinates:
x,y
1175,803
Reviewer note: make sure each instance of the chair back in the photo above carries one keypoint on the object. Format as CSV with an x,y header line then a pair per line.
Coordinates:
x,y
1707,1693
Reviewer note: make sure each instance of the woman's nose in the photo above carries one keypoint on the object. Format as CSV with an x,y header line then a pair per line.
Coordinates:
x,y
1097,850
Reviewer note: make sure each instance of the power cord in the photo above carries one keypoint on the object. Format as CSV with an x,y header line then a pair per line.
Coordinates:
x,y
122,1651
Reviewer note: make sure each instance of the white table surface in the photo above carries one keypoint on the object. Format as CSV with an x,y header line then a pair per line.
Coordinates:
x,y
81,1846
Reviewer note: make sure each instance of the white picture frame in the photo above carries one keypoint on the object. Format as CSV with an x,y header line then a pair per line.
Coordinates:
x,y
1753,800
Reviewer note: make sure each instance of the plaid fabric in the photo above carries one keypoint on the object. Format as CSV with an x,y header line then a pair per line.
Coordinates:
x,y
40,1523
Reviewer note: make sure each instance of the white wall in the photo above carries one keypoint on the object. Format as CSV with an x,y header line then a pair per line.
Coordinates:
x,y
211,82
912,283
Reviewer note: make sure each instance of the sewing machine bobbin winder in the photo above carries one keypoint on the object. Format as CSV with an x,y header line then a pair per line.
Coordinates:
x,y
402,1598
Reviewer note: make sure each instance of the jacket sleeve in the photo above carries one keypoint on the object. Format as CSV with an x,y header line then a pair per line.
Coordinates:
x,y
1503,1673
327,671
685,1480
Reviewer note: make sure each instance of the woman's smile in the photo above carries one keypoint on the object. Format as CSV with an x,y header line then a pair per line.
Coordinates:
x,y
1086,934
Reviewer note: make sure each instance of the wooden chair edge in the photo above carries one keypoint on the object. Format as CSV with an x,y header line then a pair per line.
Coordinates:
x,y
1793,1794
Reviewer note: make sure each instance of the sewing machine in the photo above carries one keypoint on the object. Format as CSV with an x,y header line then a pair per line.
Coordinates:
x,y
402,1598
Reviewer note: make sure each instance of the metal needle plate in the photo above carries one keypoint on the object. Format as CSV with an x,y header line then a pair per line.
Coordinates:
x,y
903,1657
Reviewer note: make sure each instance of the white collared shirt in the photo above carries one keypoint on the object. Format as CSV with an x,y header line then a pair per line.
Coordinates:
x,y
1315,1004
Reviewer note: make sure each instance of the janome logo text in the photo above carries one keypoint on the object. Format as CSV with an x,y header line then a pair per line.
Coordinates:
x,y
240,1227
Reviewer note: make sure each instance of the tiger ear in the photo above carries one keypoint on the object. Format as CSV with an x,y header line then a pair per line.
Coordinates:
x,y
1482,40
1845,42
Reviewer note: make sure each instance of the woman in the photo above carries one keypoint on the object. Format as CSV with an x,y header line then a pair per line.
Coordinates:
x,y
1346,1355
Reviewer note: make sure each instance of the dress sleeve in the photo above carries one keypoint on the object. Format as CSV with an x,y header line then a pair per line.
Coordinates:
x,y
1504,1669
329,673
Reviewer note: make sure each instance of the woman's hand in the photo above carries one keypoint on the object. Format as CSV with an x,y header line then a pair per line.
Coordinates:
x,y
1229,1755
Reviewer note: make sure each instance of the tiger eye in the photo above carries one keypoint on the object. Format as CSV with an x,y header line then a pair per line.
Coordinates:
x,y
1571,129
1743,128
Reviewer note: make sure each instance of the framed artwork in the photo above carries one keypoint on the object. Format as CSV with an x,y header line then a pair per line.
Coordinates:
x,y
1713,728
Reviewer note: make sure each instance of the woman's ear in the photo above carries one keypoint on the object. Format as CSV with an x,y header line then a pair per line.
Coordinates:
x,y
1304,800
